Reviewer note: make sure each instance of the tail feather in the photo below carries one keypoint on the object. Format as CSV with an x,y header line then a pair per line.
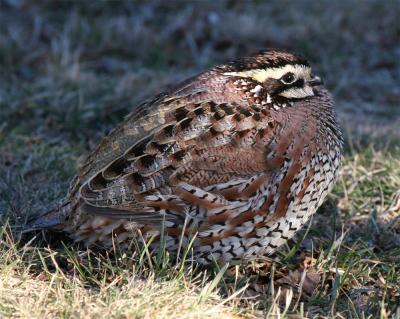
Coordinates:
x,y
50,219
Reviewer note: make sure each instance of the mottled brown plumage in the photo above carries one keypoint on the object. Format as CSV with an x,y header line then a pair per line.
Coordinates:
x,y
238,157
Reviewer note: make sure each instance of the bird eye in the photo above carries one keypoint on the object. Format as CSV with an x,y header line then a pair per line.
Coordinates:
x,y
288,78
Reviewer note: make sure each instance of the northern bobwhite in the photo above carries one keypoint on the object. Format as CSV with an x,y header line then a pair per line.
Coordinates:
x,y
238,158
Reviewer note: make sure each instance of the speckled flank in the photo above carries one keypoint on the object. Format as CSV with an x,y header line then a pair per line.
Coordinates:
x,y
235,161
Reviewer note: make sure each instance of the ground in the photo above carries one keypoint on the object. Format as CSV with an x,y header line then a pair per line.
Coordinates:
x,y
70,71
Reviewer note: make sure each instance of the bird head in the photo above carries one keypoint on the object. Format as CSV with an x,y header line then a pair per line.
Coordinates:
x,y
273,76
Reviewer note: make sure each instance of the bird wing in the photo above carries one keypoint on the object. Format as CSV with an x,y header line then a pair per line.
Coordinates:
x,y
183,148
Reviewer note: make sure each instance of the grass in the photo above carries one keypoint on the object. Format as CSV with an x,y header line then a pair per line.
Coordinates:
x,y
69,72
39,283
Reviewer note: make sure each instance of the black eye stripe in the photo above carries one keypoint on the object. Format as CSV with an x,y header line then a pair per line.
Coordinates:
x,y
299,83
283,87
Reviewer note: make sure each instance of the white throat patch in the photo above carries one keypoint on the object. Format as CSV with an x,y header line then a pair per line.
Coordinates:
x,y
298,93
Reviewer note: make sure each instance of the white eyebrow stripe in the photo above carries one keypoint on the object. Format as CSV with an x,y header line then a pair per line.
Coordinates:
x,y
260,75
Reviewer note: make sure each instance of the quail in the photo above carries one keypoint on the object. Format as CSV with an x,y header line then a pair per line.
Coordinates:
x,y
233,161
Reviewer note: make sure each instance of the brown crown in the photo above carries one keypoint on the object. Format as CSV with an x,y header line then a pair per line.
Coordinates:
x,y
264,59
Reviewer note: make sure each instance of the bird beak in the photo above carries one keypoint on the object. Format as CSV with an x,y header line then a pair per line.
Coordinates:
x,y
316,80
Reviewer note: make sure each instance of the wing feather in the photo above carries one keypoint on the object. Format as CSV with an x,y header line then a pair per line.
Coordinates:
x,y
178,141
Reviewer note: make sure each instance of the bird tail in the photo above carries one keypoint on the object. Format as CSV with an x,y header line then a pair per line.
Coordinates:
x,y
50,219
